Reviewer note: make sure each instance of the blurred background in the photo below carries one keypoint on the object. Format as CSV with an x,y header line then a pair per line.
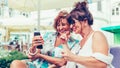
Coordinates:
x,y
19,19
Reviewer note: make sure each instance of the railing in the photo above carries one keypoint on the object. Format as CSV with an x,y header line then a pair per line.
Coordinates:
x,y
23,48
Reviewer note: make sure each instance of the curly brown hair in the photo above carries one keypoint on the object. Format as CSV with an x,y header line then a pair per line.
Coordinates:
x,y
61,15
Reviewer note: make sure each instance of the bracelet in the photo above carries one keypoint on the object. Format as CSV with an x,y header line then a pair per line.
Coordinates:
x,y
32,54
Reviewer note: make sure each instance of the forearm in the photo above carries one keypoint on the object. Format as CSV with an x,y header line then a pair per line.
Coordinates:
x,y
56,61
89,62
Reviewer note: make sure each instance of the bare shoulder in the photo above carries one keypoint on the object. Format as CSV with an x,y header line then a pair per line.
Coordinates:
x,y
98,35
100,43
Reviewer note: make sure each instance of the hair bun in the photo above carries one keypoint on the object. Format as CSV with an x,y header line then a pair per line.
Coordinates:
x,y
80,5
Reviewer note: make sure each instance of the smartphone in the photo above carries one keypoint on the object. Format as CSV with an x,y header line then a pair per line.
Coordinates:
x,y
37,33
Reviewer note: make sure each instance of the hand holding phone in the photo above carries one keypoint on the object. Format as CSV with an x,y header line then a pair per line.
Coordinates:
x,y
38,34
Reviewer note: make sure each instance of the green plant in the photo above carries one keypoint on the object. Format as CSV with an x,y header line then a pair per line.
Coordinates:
x,y
13,55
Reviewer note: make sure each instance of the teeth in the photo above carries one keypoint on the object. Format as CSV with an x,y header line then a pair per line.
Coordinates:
x,y
62,31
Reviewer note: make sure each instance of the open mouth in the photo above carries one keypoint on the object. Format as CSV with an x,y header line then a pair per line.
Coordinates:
x,y
74,29
63,31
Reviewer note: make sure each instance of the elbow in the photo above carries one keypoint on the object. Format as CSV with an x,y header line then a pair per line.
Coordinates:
x,y
97,64
102,65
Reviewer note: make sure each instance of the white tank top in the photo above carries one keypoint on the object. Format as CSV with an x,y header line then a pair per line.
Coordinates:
x,y
86,50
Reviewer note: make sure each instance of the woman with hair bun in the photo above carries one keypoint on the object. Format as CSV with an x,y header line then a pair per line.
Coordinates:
x,y
93,49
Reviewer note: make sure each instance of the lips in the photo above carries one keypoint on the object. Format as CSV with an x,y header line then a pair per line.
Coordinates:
x,y
74,29
63,31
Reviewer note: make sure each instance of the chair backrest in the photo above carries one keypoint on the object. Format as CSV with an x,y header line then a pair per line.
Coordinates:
x,y
115,51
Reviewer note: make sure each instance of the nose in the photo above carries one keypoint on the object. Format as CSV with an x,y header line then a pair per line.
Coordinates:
x,y
61,27
71,26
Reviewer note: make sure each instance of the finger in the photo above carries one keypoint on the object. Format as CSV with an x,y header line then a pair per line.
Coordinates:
x,y
29,56
65,47
36,43
37,38
52,66
65,58
63,53
68,36
63,38
39,51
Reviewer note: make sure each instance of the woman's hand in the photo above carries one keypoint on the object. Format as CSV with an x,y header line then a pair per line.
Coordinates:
x,y
64,37
33,51
34,57
37,40
66,53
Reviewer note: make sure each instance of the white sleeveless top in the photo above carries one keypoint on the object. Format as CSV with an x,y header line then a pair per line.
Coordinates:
x,y
86,50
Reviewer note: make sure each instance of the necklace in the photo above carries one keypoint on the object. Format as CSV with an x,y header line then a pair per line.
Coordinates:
x,y
88,33
77,51
82,42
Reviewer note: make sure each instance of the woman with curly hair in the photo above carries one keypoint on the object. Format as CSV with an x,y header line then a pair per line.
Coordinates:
x,y
52,47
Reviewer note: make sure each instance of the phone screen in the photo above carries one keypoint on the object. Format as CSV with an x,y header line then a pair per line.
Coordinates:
x,y
38,34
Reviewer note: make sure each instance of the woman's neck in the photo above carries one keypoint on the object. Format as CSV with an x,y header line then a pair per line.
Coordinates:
x,y
85,33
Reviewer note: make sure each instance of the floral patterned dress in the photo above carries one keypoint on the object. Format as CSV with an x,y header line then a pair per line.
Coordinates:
x,y
50,50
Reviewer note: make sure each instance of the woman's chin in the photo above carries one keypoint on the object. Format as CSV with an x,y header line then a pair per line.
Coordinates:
x,y
76,32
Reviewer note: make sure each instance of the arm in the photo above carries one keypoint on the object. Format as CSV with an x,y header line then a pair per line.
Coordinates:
x,y
99,45
56,61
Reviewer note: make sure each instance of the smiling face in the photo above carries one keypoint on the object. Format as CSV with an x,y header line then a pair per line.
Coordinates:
x,y
77,26
63,26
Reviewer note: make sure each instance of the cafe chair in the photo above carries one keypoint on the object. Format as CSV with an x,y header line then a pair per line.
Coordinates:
x,y
115,51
